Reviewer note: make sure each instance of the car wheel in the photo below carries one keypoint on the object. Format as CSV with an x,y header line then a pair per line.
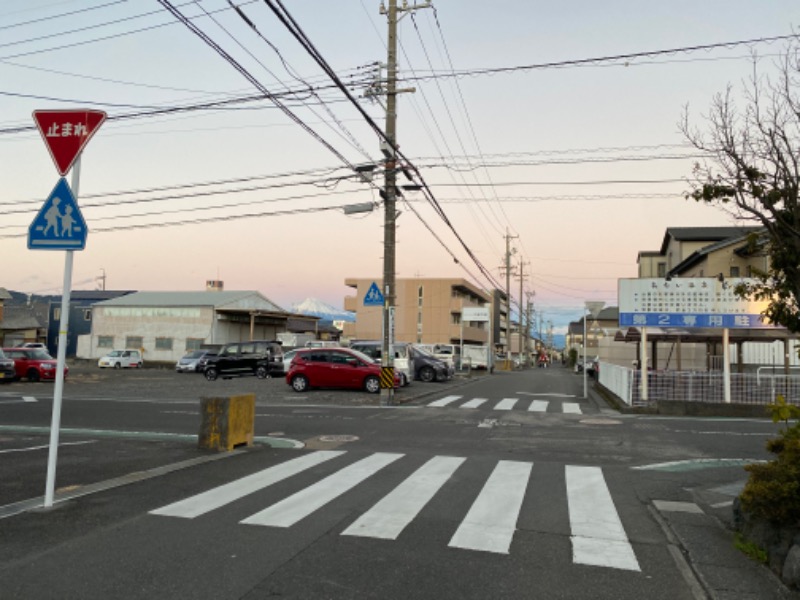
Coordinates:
x,y
117,365
403,380
427,374
140,365
262,372
211,373
300,383
33,375
372,384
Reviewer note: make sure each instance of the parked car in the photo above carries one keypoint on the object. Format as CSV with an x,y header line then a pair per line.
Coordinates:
x,y
335,368
260,358
288,357
34,345
194,361
402,363
34,364
7,370
426,367
122,359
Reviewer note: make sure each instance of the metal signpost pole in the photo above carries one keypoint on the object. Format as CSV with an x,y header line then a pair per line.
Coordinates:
x,y
61,359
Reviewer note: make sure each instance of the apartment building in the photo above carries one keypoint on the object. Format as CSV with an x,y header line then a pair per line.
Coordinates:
x,y
428,311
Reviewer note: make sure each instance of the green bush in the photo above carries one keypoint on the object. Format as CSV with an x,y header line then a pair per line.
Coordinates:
x,y
573,357
772,492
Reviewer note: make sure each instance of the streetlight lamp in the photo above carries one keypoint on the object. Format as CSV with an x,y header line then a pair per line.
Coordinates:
x,y
594,309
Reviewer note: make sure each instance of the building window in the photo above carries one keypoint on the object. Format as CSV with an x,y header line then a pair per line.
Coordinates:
x,y
87,314
734,271
749,270
662,269
455,318
105,341
163,343
57,313
193,343
134,342
419,297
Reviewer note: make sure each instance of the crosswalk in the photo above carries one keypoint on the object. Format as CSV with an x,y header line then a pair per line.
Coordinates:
x,y
507,404
489,525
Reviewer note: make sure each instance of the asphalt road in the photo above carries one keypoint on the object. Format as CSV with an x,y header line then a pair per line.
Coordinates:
x,y
510,486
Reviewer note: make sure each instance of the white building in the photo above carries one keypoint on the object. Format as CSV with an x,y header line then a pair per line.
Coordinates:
x,y
168,324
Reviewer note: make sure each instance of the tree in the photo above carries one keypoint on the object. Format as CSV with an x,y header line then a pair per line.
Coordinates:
x,y
753,172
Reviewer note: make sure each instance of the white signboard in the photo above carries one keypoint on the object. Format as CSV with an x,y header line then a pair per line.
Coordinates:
x,y
690,302
475,314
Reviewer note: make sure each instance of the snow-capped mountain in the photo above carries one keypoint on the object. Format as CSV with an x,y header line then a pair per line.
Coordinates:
x,y
318,308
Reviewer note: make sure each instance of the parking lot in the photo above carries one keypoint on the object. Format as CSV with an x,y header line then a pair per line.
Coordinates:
x,y
86,379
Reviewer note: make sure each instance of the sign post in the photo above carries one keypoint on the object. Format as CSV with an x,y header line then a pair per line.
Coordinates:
x,y
59,225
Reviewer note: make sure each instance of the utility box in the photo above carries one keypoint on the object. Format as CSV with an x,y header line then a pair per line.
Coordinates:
x,y
227,422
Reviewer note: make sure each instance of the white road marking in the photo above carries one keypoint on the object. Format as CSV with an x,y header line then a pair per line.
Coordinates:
x,y
506,404
31,448
487,423
598,537
289,511
474,403
548,394
29,399
387,519
572,408
492,520
224,494
670,506
538,406
444,401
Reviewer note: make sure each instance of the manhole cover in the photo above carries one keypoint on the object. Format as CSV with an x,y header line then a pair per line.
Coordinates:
x,y
338,438
601,422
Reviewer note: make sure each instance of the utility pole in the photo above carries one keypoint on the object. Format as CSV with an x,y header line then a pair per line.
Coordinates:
x,y
528,320
523,334
507,268
388,147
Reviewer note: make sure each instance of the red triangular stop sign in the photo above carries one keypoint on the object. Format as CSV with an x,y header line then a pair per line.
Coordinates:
x,y
66,132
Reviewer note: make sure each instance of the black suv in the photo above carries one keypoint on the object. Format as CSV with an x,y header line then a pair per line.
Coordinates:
x,y
260,358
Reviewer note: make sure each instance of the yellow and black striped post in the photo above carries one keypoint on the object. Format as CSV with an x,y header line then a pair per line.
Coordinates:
x,y
387,378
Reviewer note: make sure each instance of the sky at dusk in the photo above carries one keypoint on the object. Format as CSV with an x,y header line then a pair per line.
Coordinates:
x,y
515,129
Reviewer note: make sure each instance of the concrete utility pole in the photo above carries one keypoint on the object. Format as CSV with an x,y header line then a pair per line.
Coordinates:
x,y
523,333
390,197
529,311
507,267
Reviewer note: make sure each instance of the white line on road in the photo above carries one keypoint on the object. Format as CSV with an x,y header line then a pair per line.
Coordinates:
x,y
387,519
492,520
550,394
572,408
506,404
538,406
598,537
31,448
224,494
474,403
289,511
29,399
444,401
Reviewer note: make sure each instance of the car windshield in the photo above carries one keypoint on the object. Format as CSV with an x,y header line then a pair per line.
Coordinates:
x,y
195,354
39,355
115,353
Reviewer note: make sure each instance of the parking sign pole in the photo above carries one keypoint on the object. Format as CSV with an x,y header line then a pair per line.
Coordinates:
x,y
61,358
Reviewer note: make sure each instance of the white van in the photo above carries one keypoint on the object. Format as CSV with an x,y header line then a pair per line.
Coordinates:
x,y
401,362
119,359
322,344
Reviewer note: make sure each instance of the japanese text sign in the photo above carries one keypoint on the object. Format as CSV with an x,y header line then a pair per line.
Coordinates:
x,y
66,132
690,302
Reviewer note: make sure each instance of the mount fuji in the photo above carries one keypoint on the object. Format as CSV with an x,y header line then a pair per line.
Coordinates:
x,y
326,312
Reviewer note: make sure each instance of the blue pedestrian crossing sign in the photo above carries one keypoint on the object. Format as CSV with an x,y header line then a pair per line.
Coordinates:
x,y
59,224
374,296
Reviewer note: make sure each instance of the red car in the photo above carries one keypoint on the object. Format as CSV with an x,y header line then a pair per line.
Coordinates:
x,y
335,368
34,364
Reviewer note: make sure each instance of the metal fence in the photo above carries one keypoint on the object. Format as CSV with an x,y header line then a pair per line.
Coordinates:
x,y
699,386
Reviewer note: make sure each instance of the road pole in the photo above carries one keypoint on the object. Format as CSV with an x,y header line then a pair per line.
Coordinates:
x,y
61,358
389,200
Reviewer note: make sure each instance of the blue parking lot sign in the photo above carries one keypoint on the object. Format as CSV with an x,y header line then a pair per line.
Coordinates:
x,y
59,225
374,296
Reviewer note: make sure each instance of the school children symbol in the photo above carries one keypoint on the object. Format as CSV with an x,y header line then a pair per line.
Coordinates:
x,y
59,225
